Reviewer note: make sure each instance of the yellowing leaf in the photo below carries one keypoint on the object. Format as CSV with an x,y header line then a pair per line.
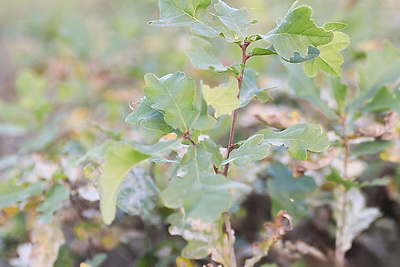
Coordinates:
x,y
329,59
222,98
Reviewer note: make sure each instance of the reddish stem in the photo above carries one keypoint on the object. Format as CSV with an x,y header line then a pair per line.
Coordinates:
x,y
239,78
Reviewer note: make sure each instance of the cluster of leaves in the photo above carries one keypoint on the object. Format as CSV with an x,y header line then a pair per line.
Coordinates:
x,y
199,190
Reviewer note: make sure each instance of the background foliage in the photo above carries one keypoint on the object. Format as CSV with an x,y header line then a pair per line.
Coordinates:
x,y
70,69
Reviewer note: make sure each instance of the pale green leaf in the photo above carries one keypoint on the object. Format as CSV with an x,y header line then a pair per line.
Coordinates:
x,y
252,149
54,198
306,88
250,89
138,195
353,219
298,139
334,26
202,194
329,59
119,160
202,56
186,13
173,95
222,98
149,118
234,19
11,193
214,149
296,32
289,193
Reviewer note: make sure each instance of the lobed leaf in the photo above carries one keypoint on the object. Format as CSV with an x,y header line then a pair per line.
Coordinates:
x,y
355,218
236,20
222,98
298,139
186,13
138,194
202,194
203,237
173,95
252,149
329,59
250,89
202,56
296,32
149,118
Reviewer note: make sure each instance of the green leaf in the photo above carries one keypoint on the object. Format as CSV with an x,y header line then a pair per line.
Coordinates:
x,y
334,26
213,148
202,56
119,159
11,193
296,32
173,95
370,148
296,58
298,139
149,118
252,149
340,93
306,88
257,51
204,121
235,20
202,194
54,198
186,13
335,177
289,193
384,100
222,98
329,59
204,238
250,89
138,195
382,68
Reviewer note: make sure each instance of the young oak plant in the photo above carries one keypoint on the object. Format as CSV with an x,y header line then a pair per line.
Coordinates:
x,y
175,107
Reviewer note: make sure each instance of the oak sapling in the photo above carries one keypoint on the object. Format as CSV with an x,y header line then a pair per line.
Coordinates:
x,y
200,190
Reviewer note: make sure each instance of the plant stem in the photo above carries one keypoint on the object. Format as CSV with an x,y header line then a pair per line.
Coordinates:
x,y
228,227
340,252
245,57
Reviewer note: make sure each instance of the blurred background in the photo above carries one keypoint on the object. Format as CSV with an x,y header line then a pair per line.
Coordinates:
x,y
69,72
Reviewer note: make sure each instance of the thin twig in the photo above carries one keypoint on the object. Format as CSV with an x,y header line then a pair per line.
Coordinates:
x,y
340,253
228,227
